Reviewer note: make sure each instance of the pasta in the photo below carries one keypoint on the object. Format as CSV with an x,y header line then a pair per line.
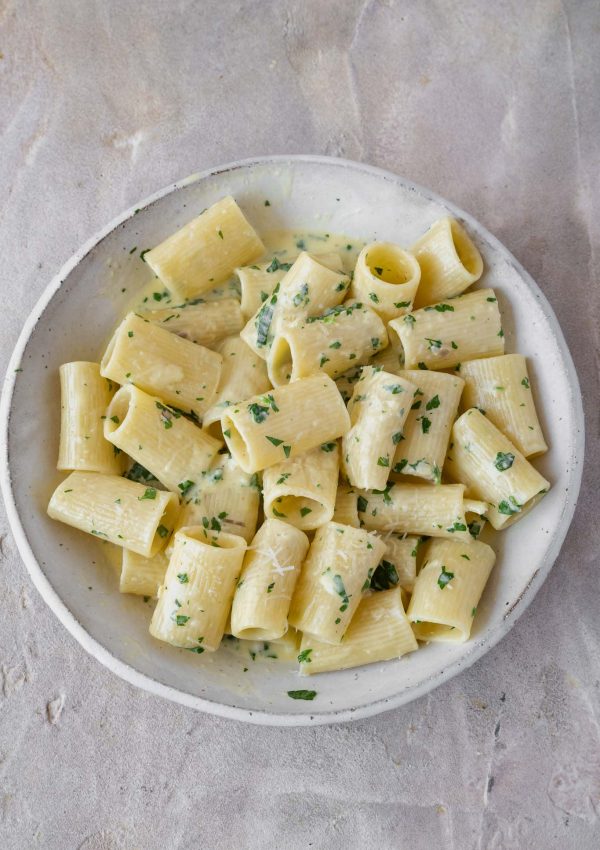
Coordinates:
x,y
85,395
168,445
493,470
421,448
387,278
264,430
415,509
205,324
374,428
161,363
142,576
347,335
257,282
308,289
399,564
346,506
302,490
269,574
225,499
448,589
445,335
112,508
206,251
379,631
339,566
378,409
449,262
243,373
501,386
198,588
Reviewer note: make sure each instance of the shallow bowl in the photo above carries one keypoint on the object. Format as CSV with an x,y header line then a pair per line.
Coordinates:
x,y
73,320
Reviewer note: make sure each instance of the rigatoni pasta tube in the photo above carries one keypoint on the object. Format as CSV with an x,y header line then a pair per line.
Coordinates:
x,y
447,334
399,564
309,288
348,335
421,450
386,277
142,576
389,360
167,444
257,282
205,323
161,363
416,509
379,631
85,395
346,506
501,386
113,508
339,566
198,589
449,262
302,490
226,499
448,589
494,470
243,373
378,409
269,574
264,430
205,251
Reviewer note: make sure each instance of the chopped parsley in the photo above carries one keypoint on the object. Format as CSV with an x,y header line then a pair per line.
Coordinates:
x,y
308,695
433,403
328,447
338,585
385,576
150,493
304,656
305,511
274,440
525,383
509,507
184,486
444,578
301,298
362,504
504,461
183,578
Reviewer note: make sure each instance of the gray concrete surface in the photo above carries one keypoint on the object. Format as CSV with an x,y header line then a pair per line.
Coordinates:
x,y
493,105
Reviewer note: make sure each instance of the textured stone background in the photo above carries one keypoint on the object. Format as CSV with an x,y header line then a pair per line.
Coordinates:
x,y
494,105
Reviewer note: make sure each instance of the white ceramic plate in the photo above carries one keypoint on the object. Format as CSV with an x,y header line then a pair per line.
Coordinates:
x,y
74,318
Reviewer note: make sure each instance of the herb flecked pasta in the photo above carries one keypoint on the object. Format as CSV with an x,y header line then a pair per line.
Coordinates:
x,y
303,443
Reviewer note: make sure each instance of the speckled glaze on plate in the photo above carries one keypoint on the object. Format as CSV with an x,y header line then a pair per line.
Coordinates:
x,y
74,318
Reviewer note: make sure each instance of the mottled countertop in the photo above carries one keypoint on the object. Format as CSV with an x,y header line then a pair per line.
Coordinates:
x,y
496,107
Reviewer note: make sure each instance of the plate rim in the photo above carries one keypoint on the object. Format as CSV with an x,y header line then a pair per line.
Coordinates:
x,y
265,717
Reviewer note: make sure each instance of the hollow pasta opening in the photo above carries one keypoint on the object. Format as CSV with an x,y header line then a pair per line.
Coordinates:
x,y
118,410
303,512
391,264
165,525
236,443
107,356
281,362
467,253
442,632
252,633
